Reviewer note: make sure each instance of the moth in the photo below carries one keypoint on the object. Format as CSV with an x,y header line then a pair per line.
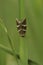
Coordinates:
x,y
21,26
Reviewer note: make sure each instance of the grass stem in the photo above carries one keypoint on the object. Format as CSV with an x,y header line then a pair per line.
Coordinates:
x,y
21,9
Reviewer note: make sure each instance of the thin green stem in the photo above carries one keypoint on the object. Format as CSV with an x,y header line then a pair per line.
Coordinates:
x,y
9,51
21,9
23,51
9,38
23,45
10,41
6,49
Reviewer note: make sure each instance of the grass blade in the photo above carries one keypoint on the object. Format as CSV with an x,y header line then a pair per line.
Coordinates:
x,y
8,50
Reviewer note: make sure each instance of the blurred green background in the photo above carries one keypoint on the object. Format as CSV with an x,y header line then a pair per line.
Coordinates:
x,y
9,11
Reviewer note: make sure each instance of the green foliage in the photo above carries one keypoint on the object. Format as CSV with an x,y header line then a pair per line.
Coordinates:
x,y
29,49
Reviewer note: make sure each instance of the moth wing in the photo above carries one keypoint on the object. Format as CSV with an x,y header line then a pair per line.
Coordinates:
x,y
17,21
24,21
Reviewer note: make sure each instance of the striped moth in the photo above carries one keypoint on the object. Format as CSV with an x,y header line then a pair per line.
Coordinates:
x,y
21,27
